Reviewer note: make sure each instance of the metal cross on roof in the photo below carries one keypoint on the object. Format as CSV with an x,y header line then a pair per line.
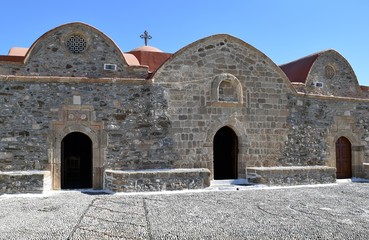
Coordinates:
x,y
146,36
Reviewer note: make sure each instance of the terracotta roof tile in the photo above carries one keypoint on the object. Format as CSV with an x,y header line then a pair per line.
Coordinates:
x,y
18,51
150,56
298,70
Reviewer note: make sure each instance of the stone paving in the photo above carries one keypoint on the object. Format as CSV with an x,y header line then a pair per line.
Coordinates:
x,y
335,211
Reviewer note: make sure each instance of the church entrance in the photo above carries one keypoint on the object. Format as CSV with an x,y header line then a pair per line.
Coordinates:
x,y
225,150
76,161
343,158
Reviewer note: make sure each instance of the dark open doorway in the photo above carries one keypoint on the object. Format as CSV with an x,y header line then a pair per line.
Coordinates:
x,y
76,161
343,158
225,149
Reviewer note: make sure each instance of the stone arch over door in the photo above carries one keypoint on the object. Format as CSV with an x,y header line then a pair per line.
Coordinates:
x,y
225,154
76,161
226,88
70,122
236,126
344,126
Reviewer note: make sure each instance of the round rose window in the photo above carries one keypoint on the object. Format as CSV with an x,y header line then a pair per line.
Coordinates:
x,y
76,44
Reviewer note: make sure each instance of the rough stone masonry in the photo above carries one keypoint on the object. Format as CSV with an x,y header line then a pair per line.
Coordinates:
x,y
77,112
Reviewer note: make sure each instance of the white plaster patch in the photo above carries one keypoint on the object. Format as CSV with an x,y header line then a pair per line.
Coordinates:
x,y
347,221
77,100
36,126
112,127
136,141
9,139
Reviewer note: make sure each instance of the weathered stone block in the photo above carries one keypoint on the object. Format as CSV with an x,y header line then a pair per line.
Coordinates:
x,y
157,180
294,175
22,182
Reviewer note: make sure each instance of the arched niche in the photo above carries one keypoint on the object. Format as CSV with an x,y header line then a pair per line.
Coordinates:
x,y
227,88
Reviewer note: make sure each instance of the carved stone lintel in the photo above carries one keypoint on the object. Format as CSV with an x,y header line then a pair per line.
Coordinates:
x,y
77,118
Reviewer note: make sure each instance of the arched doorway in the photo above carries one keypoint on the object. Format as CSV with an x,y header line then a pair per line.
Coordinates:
x,y
76,161
225,150
343,158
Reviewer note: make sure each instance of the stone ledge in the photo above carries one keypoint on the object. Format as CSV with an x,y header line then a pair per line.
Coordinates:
x,y
22,181
225,104
52,79
333,98
292,175
156,179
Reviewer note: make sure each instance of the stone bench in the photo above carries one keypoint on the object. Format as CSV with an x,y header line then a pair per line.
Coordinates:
x,y
293,175
23,181
156,179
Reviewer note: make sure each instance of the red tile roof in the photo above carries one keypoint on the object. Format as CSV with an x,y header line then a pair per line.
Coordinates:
x,y
145,55
16,54
150,56
297,71
146,49
18,51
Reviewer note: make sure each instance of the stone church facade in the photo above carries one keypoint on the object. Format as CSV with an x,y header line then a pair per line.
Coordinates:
x,y
77,112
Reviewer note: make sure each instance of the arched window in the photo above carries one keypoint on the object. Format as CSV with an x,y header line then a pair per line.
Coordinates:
x,y
228,91
227,88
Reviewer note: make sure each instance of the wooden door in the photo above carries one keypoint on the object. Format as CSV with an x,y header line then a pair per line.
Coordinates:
x,y
343,158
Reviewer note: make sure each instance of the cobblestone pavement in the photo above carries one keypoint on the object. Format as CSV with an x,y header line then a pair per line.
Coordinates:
x,y
337,211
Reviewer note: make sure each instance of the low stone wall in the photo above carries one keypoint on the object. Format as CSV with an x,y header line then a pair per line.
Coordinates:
x,y
22,182
156,180
295,175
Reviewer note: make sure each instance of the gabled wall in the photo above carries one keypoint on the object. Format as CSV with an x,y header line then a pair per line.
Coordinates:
x,y
50,55
332,75
191,80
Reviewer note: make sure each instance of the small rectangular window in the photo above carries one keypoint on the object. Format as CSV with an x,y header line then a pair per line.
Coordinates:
x,y
110,67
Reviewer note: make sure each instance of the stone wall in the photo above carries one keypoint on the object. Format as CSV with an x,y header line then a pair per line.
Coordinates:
x,y
259,118
310,123
133,117
283,176
169,121
22,182
51,56
335,76
156,180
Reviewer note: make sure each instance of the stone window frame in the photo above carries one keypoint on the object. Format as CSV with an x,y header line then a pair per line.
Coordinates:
x,y
215,90
76,33
330,71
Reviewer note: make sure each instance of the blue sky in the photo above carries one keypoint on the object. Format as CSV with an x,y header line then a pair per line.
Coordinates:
x,y
284,30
